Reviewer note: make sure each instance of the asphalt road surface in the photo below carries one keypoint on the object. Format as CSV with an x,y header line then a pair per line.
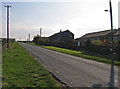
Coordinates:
x,y
75,71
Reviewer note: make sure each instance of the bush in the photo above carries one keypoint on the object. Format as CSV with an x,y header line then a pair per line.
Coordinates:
x,y
97,42
105,50
43,41
107,43
35,39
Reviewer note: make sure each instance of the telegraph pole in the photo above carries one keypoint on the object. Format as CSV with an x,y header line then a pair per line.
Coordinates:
x,y
40,31
112,75
111,21
29,37
111,18
8,6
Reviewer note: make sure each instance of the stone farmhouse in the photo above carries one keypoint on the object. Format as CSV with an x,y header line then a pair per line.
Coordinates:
x,y
101,35
62,36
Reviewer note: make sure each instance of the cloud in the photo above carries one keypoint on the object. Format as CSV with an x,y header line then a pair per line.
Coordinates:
x,y
84,17
20,25
21,30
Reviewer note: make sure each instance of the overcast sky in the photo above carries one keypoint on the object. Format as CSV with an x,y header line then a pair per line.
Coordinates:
x,y
78,16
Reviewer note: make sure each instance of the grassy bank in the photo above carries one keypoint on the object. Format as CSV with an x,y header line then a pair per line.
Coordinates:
x,y
19,69
80,54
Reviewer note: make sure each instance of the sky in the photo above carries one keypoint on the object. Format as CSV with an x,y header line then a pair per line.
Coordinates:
x,y
78,16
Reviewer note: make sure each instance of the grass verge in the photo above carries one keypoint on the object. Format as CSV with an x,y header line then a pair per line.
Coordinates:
x,y
80,54
19,69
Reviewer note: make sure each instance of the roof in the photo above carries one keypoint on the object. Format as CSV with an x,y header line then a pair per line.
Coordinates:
x,y
96,34
61,32
67,31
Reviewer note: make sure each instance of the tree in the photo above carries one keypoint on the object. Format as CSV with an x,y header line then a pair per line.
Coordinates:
x,y
35,39
43,41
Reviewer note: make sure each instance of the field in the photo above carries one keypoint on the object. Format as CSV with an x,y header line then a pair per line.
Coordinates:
x,y
19,69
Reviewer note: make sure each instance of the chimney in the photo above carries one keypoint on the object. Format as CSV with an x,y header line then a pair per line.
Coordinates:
x,y
60,30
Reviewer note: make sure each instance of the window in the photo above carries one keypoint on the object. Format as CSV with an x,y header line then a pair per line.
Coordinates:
x,y
115,38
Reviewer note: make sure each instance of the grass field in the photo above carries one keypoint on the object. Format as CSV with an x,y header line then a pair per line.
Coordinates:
x,y
19,69
80,54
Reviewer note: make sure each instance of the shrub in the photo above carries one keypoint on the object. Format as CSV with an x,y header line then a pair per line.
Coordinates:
x,y
97,42
105,50
107,43
43,41
35,39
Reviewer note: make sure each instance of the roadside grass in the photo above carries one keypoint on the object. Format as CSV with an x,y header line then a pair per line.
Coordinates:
x,y
19,69
32,43
80,54
67,51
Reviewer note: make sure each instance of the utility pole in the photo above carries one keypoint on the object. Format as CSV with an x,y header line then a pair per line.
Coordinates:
x,y
112,75
111,21
8,6
111,18
40,31
29,37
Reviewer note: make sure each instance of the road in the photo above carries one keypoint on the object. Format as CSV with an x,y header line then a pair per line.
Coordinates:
x,y
75,71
